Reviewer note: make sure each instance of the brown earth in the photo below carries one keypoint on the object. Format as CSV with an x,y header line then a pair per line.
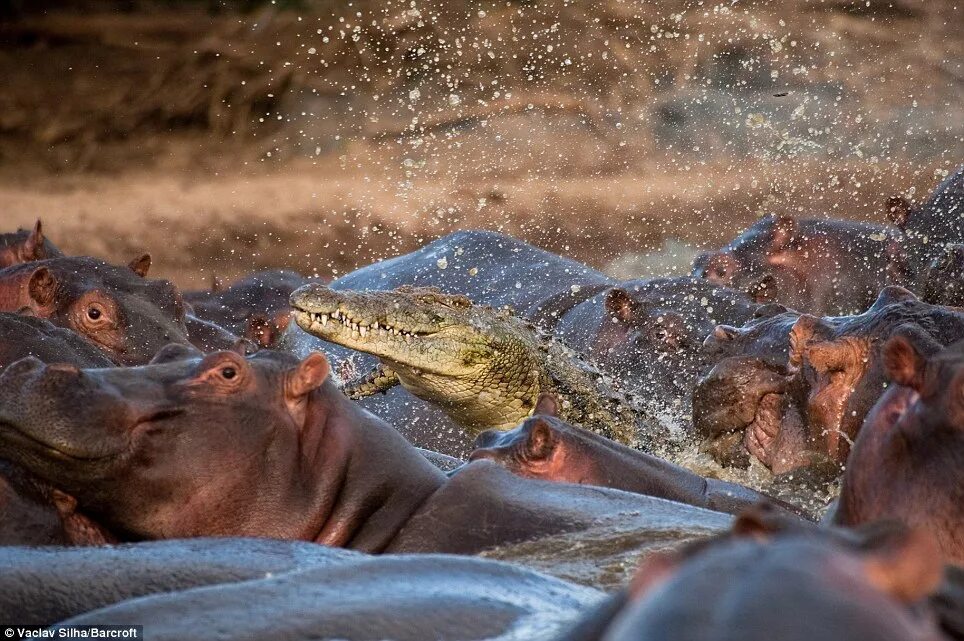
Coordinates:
x,y
325,137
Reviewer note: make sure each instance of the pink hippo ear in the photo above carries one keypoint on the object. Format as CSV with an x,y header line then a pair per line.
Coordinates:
x,y
33,247
903,363
42,289
908,565
141,265
547,405
80,529
541,440
308,375
784,231
620,305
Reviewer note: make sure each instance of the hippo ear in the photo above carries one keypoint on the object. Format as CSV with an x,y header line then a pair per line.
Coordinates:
x,y
890,295
784,230
141,265
42,288
908,566
801,334
217,285
620,305
898,211
761,521
653,571
547,405
541,440
80,529
175,352
903,364
308,375
33,247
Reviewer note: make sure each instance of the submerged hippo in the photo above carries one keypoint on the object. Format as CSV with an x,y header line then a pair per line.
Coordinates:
x,y
547,448
813,404
24,246
756,585
224,445
908,461
256,307
126,315
823,267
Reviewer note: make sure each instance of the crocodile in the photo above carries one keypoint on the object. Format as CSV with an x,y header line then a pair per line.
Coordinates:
x,y
484,366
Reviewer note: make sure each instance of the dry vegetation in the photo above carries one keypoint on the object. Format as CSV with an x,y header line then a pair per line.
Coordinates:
x,y
327,136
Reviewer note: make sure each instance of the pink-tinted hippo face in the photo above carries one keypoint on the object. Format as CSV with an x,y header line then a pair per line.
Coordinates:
x,y
189,445
908,461
128,316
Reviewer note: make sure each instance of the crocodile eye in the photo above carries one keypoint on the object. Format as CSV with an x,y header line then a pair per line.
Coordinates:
x,y
229,373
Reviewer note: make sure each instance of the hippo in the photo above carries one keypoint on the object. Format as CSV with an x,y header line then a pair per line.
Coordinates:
x,y
398,597
809,408
756,584
24,246
256,307
546,447
117,309
647,334
224,445
927,229
908,460
824,267
22,336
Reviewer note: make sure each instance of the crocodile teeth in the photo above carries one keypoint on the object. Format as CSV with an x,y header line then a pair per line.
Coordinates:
x,y
363,330
324,320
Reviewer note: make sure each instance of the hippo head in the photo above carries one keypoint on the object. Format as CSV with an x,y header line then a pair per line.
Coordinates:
x,y
25,246
793,586
908,460
651,331
534,448
127,315
767,244
189,445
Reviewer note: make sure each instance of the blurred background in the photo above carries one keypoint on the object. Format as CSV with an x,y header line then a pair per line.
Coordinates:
x,y
227,136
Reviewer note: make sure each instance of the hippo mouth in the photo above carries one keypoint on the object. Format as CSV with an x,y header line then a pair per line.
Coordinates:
x,y
743,409
23,440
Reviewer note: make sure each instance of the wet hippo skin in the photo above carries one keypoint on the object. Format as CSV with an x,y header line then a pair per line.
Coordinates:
x,y
908,461
44,585
403,598
267,446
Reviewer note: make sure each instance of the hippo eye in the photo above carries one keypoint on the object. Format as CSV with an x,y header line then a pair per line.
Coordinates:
x,y
93,313
229,373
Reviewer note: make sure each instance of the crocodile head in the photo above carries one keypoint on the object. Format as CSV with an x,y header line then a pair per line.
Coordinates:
x,y
480,364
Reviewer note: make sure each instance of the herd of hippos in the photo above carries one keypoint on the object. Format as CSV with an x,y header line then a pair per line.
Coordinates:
x,y
174,459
